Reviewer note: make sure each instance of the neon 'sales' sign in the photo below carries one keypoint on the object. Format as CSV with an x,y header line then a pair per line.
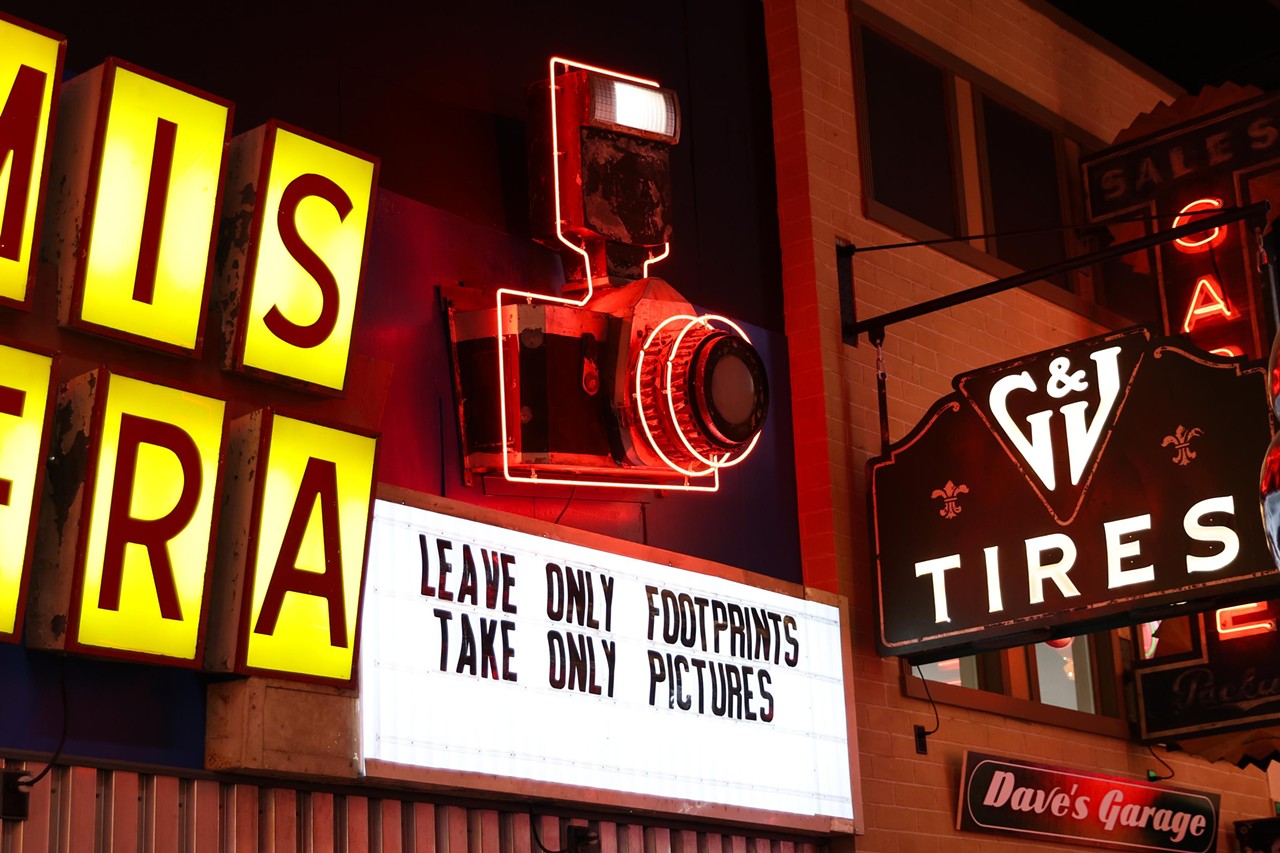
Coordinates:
x,y
1209,282
1069,489
149,485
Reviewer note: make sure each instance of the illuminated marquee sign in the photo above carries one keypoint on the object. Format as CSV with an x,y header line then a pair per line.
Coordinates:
x,y
1210,287
1071,489
1036,802
489,651
128,528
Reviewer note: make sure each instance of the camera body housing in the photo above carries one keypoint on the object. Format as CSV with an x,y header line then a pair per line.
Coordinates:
x,y
614,380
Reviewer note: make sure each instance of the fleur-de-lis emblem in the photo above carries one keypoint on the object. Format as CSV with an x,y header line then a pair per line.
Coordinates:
x,y
1181,441
950,494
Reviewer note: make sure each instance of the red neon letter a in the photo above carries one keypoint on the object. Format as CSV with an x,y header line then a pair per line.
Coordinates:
x,y
1206,300
19,128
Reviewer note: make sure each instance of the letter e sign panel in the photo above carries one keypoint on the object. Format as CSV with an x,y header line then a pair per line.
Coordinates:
x,y
24,428
1061,492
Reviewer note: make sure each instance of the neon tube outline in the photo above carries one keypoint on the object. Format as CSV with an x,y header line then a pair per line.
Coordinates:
x,y
572,303
1206,205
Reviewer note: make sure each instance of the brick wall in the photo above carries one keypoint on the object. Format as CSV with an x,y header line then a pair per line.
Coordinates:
x,y
910,800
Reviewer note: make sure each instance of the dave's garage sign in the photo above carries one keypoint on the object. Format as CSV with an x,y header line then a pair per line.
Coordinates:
x,y
1071,489
1009,797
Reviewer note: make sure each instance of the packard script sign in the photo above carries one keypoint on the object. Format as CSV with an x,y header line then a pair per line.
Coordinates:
x,y
1071,489
496,652
1009,797
1230,680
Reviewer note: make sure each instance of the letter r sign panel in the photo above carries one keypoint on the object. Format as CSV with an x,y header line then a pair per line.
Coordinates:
x,y
1061,492
132,547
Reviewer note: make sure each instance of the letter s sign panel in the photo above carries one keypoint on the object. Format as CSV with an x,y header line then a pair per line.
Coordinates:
x,y
290,293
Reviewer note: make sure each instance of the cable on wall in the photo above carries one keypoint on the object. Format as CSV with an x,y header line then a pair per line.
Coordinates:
x,y
922,736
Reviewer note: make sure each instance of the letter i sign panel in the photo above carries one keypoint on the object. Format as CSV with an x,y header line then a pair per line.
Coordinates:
x,y
136,173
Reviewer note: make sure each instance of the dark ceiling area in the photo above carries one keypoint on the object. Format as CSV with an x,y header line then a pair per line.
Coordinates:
x,y
1194,43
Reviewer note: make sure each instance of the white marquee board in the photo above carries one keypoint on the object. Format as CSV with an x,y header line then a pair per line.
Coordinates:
x,y
562,668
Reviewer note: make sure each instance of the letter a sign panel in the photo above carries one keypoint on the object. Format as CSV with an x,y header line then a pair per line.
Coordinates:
x,y
1069,491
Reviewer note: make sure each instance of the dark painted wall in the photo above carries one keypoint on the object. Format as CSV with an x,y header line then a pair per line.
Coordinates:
x,y
438,94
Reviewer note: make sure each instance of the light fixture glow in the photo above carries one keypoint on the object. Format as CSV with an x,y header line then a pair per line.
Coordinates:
x,y
642,109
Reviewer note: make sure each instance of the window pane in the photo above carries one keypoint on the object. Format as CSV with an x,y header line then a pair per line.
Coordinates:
x,y
1022,177
1128,283
1065,673
912,170
962,672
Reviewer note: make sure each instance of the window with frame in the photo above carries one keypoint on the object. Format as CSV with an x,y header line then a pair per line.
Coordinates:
x,y
949,151
1022,178
1075,682
912,160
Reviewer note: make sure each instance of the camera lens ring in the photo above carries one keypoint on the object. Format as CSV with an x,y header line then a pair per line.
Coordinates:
x,y
729,388
666,391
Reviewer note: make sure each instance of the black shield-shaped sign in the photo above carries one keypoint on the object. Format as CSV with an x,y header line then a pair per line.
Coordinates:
x,y
1071,490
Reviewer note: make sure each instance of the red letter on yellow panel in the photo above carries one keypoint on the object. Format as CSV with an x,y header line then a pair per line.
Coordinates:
x,y
149,201
30,70
294,305
309,557
24,407
142,587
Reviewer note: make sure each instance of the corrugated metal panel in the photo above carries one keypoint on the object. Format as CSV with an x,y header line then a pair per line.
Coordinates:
x,y
89,810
